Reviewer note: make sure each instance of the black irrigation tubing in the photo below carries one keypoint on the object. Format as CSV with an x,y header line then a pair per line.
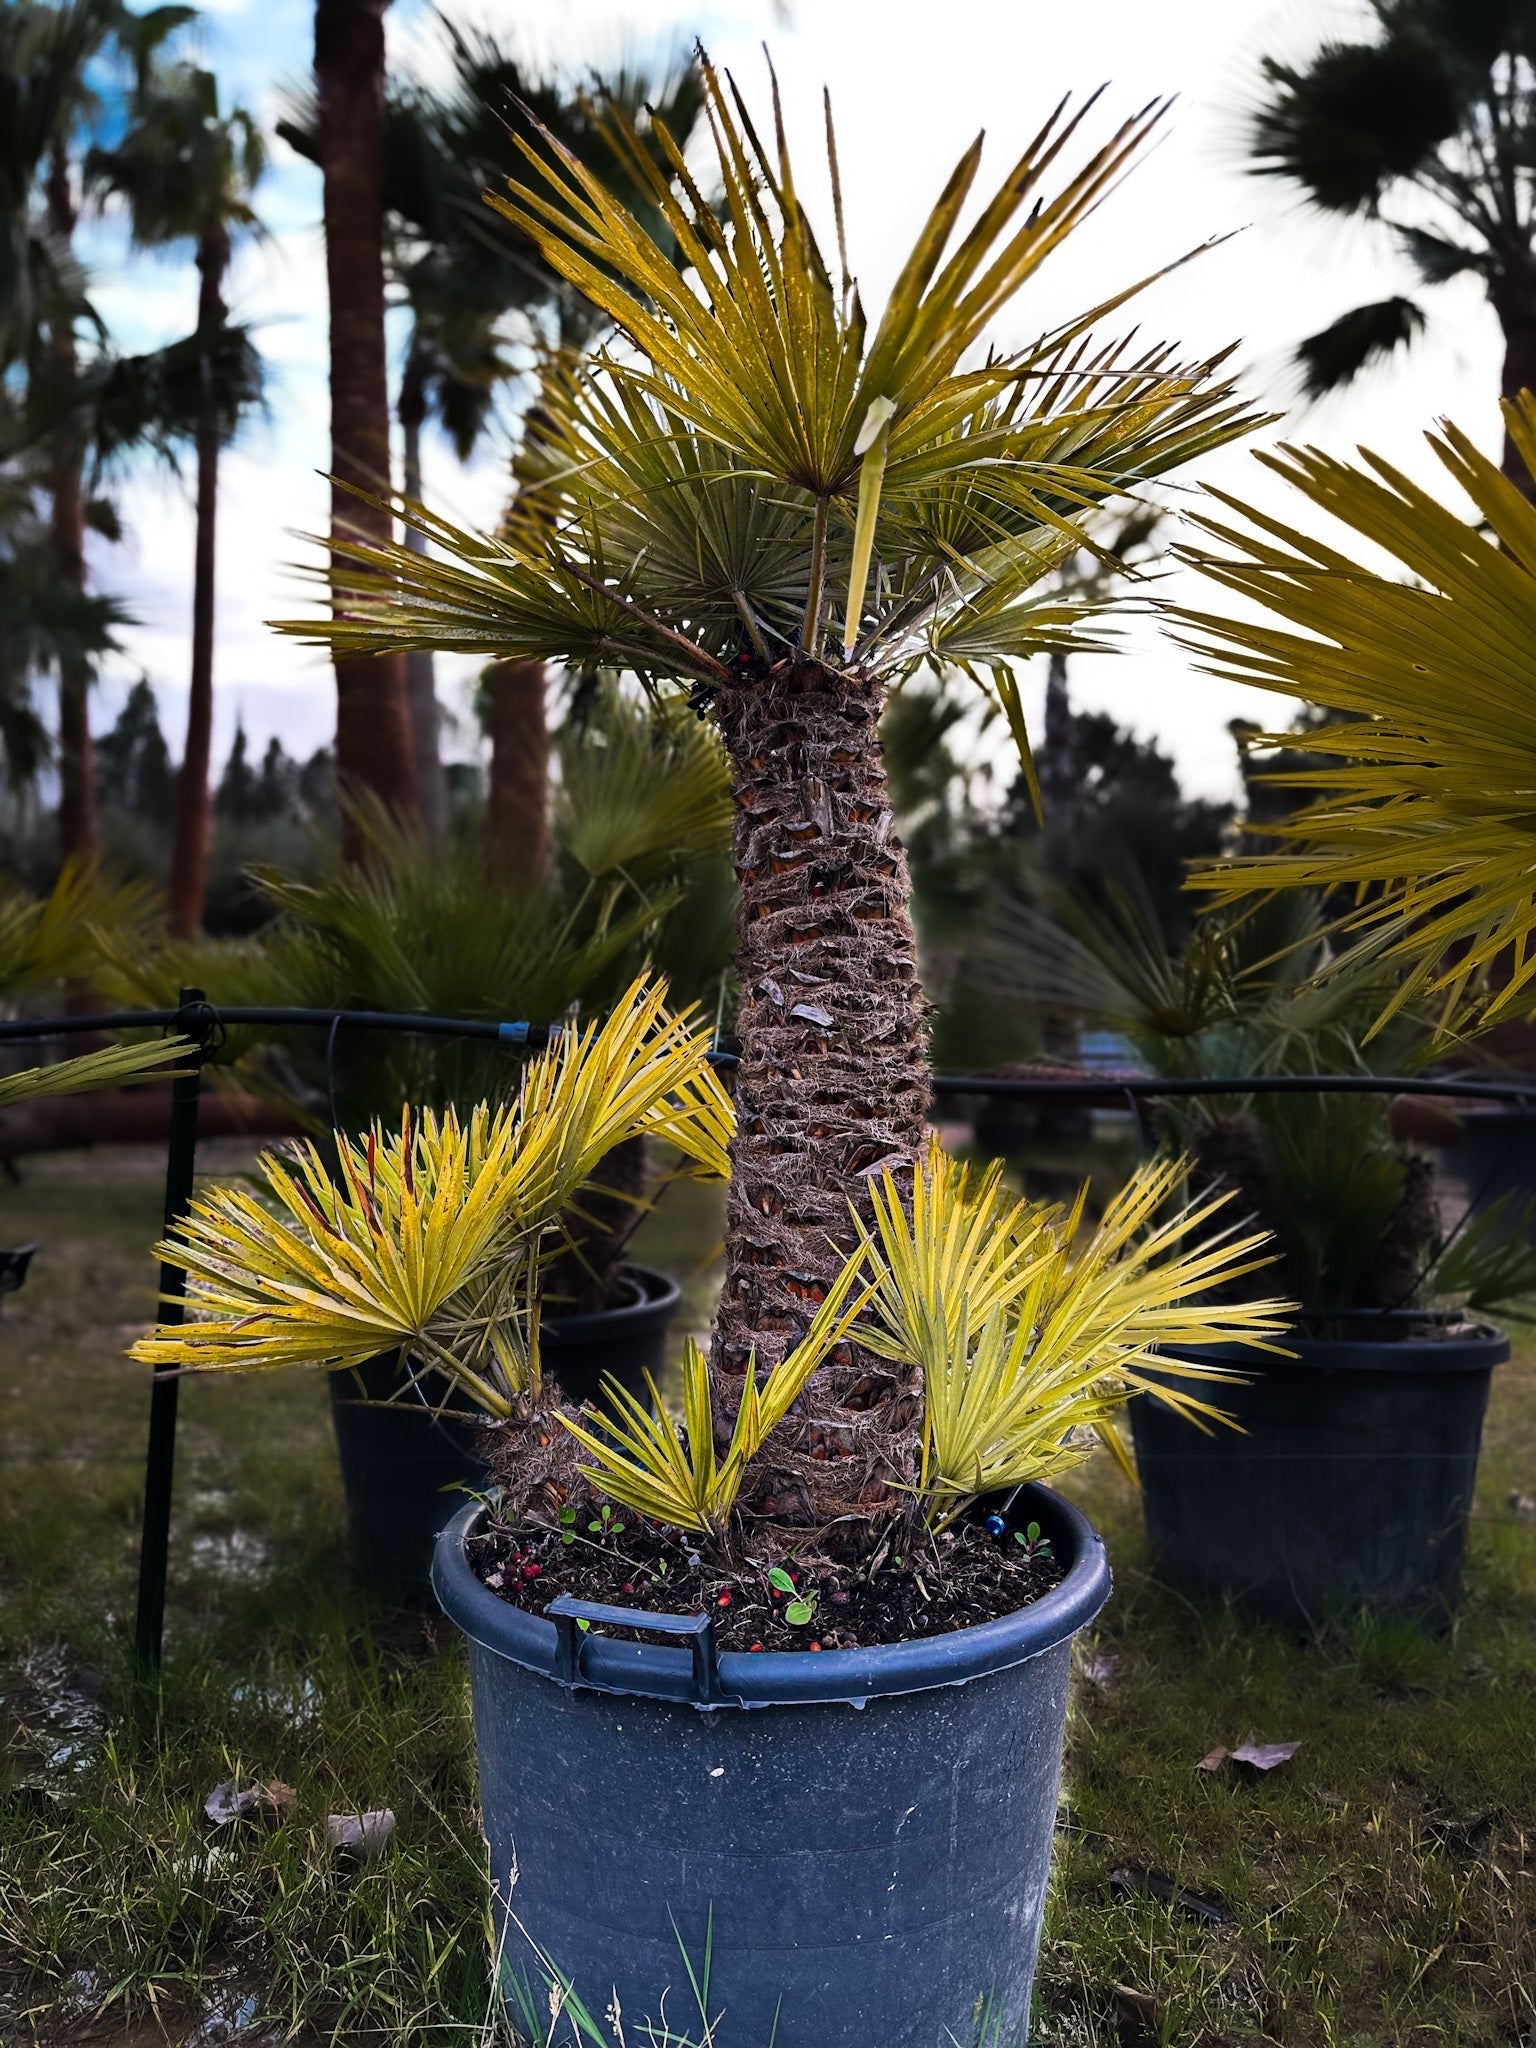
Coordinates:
x,y
205,1024
203,1020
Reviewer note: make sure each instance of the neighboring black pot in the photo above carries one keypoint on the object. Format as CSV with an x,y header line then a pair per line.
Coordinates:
x,y
404,1466
1349,1487
875,1876
1496,1155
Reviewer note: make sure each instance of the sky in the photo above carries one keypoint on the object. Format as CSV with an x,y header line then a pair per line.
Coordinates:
x,y
910,86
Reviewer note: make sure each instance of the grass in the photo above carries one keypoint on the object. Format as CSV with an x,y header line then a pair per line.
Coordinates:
x,y
1378,1890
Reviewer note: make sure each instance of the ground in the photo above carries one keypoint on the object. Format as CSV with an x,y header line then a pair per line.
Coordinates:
x,y
1377,1889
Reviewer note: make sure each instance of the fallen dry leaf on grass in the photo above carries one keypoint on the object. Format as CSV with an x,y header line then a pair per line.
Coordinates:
x,y
1102,1669
229,1802
1259,1756
360,1834
1263,1756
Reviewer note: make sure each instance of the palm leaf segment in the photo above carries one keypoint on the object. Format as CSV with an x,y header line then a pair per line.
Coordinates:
x,y
1432,819
429,1238
760,477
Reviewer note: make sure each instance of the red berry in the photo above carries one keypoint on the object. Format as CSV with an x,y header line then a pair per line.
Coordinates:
x,y
815,1646
754,1646
725,1600
531,1571
626,1587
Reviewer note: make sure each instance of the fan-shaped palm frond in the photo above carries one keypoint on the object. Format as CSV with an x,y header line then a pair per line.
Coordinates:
x,y
1430,819
431,1237
1029,1339
62,936
644,791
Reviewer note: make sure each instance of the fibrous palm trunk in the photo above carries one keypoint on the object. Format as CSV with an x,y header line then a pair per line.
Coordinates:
x,y
194,811
518,808
79,832
373,729
420,669
833,1080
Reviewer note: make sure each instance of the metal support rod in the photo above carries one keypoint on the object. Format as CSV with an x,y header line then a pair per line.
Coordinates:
x,y
160,1458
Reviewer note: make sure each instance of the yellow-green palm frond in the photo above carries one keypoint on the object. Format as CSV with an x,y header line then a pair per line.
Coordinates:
x,y
429,1237
640,1459
640,1071
956,1247
330,1272
1030,1340
1431,818
112,1067
60,936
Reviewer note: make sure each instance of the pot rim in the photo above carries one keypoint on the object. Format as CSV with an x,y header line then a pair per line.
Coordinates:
x,y
659,1298
765,1678
1487,1347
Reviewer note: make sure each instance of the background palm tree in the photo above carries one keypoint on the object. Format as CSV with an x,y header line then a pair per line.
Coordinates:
x,y
374,748
500,106
68,410
1434,117
45,52
462,270
186,173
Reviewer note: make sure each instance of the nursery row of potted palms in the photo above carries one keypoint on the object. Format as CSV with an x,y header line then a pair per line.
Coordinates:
x,y
769,501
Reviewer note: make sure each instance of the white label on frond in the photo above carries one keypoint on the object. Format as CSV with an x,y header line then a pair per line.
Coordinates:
x,y
880,411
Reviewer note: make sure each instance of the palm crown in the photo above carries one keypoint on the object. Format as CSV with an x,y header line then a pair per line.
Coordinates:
x,y
715,500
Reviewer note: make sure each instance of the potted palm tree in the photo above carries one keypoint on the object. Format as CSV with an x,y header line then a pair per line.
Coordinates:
x,y
1349,1479
784,508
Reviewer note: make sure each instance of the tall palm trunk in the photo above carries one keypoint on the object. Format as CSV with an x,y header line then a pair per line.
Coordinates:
x,y
194,809
833,1080
373,728
420,669
517,824
79,831
1514,300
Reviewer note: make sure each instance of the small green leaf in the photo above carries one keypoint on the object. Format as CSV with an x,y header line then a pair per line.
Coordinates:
x,y
799,1612
596,1528
1032,1533
583,1625
780,1580
568,1517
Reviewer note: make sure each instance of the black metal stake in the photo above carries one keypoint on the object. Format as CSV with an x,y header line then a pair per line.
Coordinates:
x,y
160,1460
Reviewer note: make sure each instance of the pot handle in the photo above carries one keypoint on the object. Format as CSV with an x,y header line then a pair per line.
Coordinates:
x,y
565,1612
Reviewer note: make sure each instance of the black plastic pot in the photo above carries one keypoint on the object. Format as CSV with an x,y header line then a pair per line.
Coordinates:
x,y
1496,1154
854,1877
404,1466
1349,1487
